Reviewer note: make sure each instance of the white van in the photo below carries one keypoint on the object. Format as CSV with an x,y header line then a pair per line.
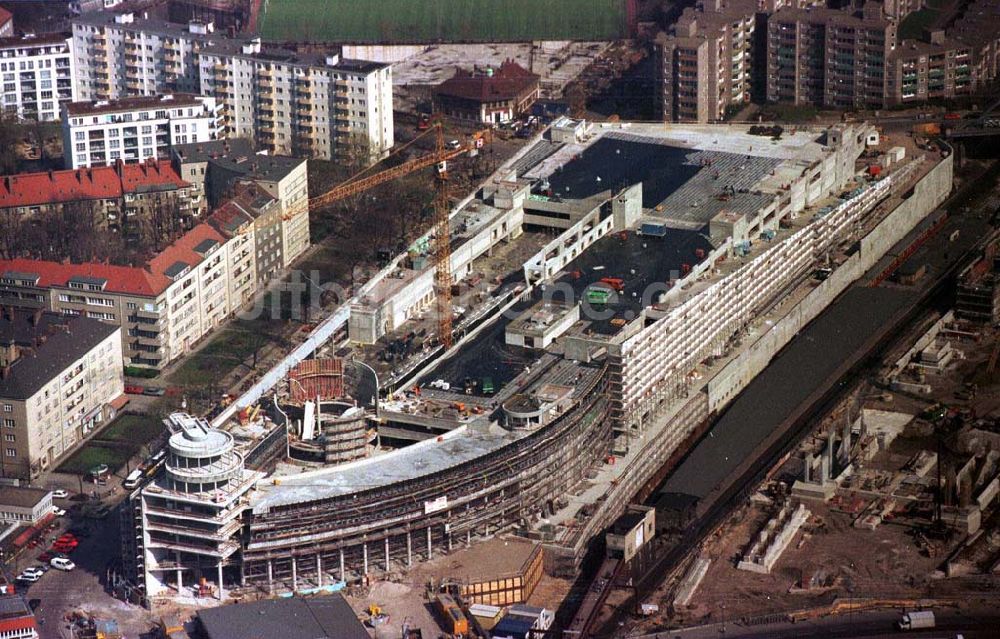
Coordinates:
x,y
132,480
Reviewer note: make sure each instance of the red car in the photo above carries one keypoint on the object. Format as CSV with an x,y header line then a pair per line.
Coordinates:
x,y
45,556
132,389
952,116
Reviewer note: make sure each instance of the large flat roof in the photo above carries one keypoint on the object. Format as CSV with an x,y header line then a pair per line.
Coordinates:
x,y
328,617
803,366
461,445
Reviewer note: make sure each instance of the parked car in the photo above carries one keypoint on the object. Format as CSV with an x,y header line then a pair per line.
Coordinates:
x,y
43,567
154,391
57,511
34,571
60,563
134,389
59,493
45,556
28,577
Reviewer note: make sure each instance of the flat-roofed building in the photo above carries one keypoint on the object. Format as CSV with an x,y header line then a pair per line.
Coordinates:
x,y
289,102
60,378
706,61
220,167
24,505
38,75
829,57
101,132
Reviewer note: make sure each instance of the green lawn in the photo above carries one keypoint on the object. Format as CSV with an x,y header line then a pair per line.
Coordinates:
x,y
114,445
131,428
225,350
411,21
94,453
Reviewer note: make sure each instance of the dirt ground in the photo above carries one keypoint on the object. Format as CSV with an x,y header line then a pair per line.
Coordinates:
x,y
406,599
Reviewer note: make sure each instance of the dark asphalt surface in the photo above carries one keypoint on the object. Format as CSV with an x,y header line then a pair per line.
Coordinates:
x,y
804,365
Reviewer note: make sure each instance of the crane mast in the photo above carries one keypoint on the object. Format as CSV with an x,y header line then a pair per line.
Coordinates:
x,y
442,246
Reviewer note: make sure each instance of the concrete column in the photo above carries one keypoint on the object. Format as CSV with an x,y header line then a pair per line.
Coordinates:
x,y
449,541
243,574
429,555
270,576
468,537
409,550
180,579
222,592
343,575
295,575
364,546
319,570
387,554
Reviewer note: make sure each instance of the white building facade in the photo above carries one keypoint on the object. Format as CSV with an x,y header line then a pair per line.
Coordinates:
x,y
288,102
102,132
38,75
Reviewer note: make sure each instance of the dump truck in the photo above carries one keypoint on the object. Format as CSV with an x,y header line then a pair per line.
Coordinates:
x,y
916,620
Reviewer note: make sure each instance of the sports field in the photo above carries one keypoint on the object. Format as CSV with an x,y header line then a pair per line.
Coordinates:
x,y
424,21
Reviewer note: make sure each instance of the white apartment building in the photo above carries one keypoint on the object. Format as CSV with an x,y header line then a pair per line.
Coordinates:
x,y
38,75
301,104
288,102
63,377
135,129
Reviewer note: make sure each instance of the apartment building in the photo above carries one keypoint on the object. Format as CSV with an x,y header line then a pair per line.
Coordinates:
x,y
162,308
288,102
301,104
220,167
265,211
940,68
101,132
828,57
115,193
706,62
38,75
237,226
60,378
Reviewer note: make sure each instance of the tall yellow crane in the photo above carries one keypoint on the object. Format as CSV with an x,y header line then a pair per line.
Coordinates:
x,y
363,181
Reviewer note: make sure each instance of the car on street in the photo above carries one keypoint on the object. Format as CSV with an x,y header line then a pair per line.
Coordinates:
x,y
33,570
57,511
60,563
134,389
59,493
43,567
28,577
154,391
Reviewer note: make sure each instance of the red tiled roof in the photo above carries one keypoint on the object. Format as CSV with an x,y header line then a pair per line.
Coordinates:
x,y
507,82
34,189
5,16
183,250
229,218
128,280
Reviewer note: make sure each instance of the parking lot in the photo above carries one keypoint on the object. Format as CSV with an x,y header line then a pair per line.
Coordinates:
x,y
58,594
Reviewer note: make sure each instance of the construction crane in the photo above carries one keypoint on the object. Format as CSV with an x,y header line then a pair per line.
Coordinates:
x,y
362,181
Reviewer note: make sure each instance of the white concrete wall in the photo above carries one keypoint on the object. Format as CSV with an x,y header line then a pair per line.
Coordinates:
x,y
927,195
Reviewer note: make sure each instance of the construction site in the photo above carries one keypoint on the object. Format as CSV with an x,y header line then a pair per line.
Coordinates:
x,y
889,502
529,366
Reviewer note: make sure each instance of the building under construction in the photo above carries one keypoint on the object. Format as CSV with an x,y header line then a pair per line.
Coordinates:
x,y
663,251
